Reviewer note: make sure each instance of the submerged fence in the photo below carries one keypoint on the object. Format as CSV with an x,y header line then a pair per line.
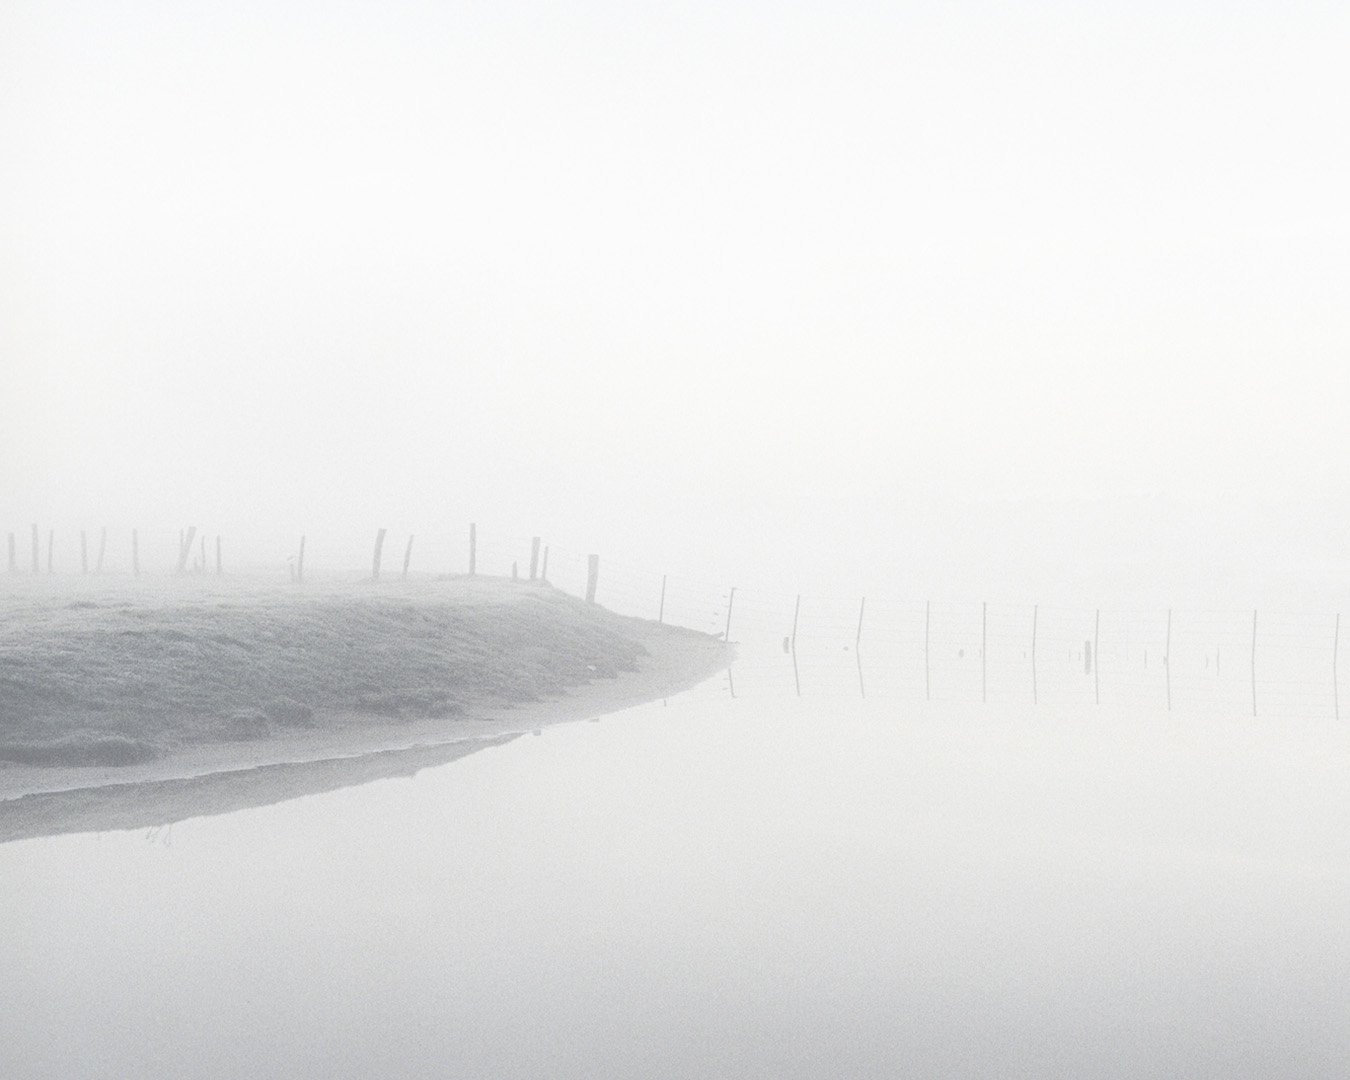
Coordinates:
x,y
1236,662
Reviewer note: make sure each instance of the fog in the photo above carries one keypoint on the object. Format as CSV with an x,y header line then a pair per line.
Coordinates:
x,y
815,292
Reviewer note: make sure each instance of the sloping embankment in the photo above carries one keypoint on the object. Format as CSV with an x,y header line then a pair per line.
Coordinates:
x,y
131,686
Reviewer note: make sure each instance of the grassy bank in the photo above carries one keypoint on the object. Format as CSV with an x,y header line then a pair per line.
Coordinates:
x,y
123,673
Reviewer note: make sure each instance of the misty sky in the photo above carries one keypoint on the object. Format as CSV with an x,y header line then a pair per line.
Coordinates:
x,y
303,257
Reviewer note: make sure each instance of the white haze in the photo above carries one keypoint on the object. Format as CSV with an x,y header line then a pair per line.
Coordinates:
x,y
748,282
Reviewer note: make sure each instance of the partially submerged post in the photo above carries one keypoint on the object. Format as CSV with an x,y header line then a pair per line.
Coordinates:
x,y
375,564
300,562
592,577
407,557
534,558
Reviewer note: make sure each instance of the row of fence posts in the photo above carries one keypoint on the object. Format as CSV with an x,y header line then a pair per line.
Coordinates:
x,y
1091,651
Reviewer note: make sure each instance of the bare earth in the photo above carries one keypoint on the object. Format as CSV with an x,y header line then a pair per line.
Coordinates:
x,y
463,664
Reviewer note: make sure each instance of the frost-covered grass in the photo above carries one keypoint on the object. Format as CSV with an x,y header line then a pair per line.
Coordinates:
x,y
116,672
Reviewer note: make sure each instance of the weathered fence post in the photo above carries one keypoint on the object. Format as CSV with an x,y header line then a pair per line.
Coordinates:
x,y
592,577
375,564
984,651
84,551
857,638
37,566
473,549
300,562
543,570
186,549
731,600
1253,663
102,547
795,612
13,555
135,554
1167,660
534,558
1035,612
1097,658
407,556
927,682
661,611
1335,676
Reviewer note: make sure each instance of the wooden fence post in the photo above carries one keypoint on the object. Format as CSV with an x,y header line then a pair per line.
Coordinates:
x,y
857,638
186,549
102,547
37,566
534,558
135,554
1335,677
84,551
1167,660
1097,658
795,612
661,611
300,562
407,556
1253,663
731,600
1035,612
984,651
592,577
473,549
375,564
927,681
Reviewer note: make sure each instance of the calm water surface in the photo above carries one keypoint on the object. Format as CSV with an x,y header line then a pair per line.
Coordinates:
x,y
757,887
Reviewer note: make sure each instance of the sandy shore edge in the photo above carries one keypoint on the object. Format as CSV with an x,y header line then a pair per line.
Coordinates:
x,y
339,750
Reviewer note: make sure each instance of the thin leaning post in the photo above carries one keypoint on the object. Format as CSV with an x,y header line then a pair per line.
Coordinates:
x,y
1253,663
534,558
1167,660
1035,611
795,612
857,639
984,651
731,600
1335,677
375,562
592,577
927,682
185,548
543,570
300,562
661,611
407,556
1097,658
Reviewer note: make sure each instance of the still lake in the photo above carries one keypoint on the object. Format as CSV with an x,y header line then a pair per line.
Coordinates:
x,y
716,886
